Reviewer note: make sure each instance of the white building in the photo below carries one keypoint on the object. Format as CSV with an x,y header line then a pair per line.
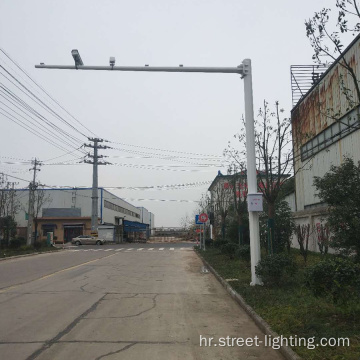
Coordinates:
x,y
325,128
69,211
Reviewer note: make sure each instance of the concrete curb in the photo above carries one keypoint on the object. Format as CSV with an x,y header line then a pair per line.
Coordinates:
x,y
286,351
31,254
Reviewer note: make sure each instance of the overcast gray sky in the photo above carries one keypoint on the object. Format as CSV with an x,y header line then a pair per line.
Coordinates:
x,y
178,113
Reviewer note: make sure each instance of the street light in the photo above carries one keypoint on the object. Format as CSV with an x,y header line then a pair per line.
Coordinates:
x,y
244,69
77,58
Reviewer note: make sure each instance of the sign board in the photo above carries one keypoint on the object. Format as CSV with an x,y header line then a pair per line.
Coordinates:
x,y
197,220
94,233
255,202
203,218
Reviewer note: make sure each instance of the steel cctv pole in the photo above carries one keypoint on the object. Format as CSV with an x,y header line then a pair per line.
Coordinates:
x,y
246,73
255,253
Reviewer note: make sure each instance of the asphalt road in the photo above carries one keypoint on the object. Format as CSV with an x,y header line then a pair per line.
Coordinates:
x,y
136,301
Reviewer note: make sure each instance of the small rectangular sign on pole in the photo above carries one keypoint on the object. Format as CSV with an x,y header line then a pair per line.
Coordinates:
x,y
255,202
197,222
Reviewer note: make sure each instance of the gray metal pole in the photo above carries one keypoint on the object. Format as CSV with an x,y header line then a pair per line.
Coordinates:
x,y
32,187
94,205
251,171
216,70
30,222
200,237
204,238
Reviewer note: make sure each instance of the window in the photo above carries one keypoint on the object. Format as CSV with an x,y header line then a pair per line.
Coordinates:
x,y
120,209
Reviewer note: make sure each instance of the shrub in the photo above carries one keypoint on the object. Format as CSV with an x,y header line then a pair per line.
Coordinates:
x,y
229,249
39,244
209,242
17,242
219,243
276,269
338,278
243,252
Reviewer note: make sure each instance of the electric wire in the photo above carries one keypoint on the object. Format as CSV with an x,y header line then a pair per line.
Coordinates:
x,y
43,129
34,112
39,101
164,150
28,129
23,71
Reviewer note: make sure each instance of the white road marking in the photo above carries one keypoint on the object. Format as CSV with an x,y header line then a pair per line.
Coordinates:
x,y
137,249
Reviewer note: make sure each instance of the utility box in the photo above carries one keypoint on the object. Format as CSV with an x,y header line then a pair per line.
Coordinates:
x,y
255,202
50,238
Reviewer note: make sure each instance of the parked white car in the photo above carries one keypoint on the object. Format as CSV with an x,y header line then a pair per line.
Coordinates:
x,y
87,240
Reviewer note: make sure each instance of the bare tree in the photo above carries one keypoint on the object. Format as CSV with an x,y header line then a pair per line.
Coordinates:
x,y
274,157
328,46
40,199
9,206
239,190
222,197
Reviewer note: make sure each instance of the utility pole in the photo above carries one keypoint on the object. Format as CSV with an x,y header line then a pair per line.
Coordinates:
x,y
95,162
32,187
12,201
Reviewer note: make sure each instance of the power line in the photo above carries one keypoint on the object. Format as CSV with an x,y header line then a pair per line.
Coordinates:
x,y
28,129
23,71
43,105
9,93
47,131
165,150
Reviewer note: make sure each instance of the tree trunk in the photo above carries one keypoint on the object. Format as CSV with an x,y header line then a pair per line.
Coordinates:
x,y
240,230
223,227
271,228
35,230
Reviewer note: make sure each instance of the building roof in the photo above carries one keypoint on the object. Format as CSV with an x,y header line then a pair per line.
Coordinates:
x,y
242,175
326,72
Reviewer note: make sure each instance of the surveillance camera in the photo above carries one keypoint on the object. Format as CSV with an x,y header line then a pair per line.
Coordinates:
x,y
112,61
77,58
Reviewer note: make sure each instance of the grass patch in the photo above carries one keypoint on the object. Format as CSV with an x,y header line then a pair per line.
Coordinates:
x,y
292,310
23,250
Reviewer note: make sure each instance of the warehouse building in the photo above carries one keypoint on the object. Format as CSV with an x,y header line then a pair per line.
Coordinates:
x,y
67,213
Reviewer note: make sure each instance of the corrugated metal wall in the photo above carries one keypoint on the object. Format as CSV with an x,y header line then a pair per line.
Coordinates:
x,y
312,115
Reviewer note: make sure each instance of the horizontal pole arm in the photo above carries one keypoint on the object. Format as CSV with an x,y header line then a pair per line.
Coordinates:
x,y
226,70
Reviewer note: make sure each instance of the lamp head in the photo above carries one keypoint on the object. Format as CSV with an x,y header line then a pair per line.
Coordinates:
x,y
77,58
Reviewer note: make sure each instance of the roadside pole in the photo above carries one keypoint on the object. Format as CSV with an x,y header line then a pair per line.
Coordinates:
x,y
204,238
245,71
32,188
95,198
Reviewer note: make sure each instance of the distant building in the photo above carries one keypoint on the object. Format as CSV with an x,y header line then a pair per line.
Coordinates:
x,y
224,188
67,213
